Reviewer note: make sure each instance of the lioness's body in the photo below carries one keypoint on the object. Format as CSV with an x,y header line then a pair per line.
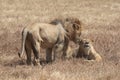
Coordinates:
x,y
85,50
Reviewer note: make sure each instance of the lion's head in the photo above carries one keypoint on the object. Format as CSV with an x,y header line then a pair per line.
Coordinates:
x,y
73,27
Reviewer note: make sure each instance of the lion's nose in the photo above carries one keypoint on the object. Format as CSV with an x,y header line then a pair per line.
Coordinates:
x,y
78,40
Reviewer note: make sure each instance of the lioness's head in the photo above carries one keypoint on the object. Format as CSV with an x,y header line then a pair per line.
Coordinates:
x,y
73,28
85,45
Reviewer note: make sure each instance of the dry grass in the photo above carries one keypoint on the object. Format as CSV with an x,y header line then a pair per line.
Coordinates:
x,y
101,20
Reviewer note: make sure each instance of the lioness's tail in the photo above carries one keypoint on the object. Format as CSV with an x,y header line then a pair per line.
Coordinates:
x,y
24,35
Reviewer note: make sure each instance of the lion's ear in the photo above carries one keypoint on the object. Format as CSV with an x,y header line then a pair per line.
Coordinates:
x,y
66,19
76,26
77,21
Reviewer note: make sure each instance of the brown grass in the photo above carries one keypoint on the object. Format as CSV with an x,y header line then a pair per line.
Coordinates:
x,y
101,20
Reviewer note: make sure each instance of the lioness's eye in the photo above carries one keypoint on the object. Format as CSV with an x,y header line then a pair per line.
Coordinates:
x,y
86,42
67,19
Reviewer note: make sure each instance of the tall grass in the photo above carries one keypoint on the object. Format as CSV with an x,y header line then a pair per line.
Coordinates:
x,y
100,23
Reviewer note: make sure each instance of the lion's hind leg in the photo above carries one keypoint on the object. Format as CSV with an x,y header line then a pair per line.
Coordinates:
x,y
28,50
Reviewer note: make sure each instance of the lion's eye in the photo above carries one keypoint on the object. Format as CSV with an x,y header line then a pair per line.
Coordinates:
x,y
67,31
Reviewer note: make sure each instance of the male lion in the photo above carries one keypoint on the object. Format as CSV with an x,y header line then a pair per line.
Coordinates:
x,y
73,27
85,50
48,36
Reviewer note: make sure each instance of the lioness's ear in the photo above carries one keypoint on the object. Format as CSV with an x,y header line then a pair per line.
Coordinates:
x,y
92,40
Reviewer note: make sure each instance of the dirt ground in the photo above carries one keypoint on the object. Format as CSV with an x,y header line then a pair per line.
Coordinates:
x,y
101,23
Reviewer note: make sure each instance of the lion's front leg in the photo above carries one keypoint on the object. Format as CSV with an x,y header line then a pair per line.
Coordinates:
x,y
49,55
58,49
65,48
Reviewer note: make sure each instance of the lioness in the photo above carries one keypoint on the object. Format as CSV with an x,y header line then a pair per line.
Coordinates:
x,y
85,50
48,36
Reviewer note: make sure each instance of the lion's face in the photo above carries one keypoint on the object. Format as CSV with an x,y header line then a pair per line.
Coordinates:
x,y
73,28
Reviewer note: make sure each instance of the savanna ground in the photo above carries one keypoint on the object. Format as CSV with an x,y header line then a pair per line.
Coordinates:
x,y
101,19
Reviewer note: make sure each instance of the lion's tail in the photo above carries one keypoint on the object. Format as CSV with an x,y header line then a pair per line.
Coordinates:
x,y
24,35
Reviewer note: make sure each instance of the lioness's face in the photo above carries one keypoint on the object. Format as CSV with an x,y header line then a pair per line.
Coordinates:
x,y
85,43
73,28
